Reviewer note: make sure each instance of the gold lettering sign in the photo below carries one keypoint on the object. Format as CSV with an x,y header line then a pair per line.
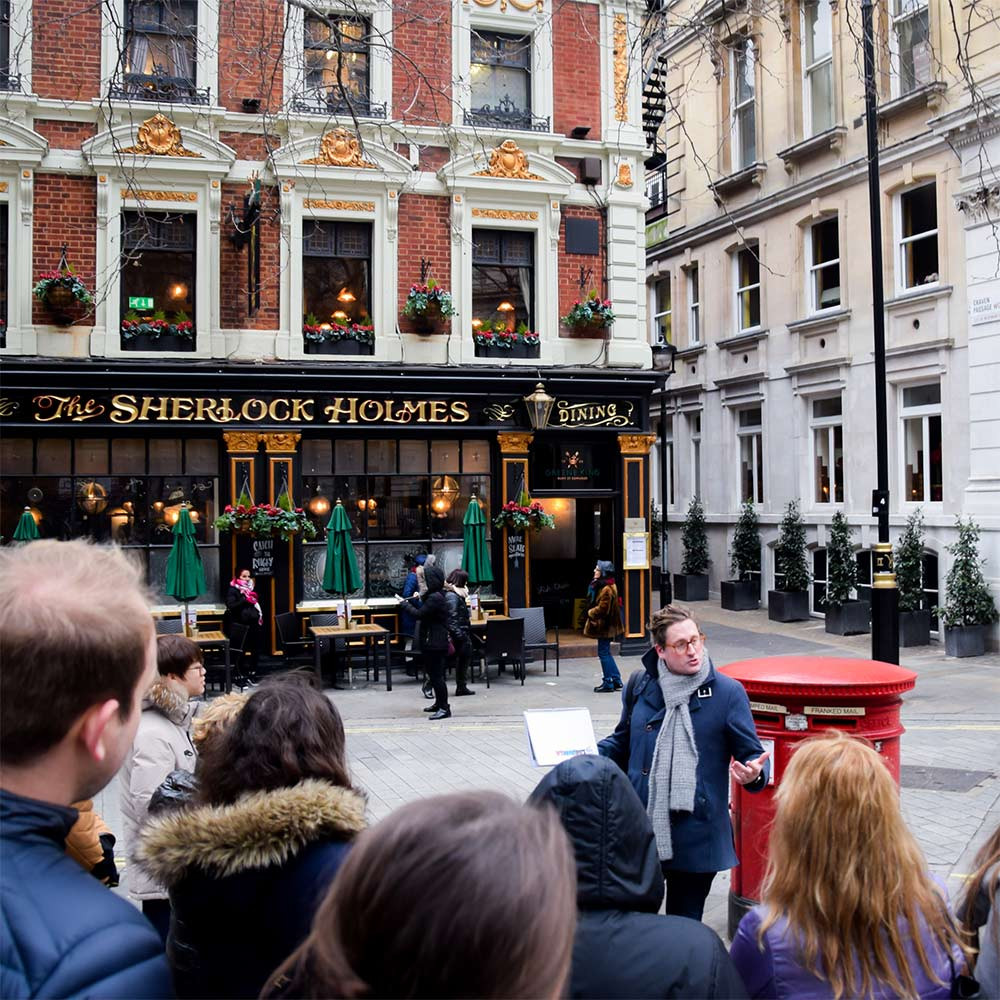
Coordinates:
x,y
593,414
352,410
72,408
161,195
340,206
503,213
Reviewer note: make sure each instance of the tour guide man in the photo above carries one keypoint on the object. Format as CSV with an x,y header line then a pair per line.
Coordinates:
x,y
681,725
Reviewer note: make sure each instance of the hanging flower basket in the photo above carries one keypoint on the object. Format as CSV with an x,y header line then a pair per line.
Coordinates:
x,y
523,517
589,317
427,305
60,291
266,520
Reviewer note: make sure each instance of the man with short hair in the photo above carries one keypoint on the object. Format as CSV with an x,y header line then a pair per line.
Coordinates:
x,y
77,653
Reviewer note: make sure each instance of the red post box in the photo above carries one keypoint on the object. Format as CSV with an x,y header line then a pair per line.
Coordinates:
x,y
793,698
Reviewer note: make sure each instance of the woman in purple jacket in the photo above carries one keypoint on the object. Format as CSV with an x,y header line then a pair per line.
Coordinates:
x,y
848,908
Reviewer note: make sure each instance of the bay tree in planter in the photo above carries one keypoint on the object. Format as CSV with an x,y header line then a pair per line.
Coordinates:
x,y
691,584
969,609
914,620
845,615
791,603
743,592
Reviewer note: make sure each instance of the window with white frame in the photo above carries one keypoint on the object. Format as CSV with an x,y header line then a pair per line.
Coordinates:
x,y
694,305
662,311
500,82
743,98
747,265
817,66
669,458
911,56
823,253
750,434
694,436
336,57
923,469
8,79
917,237
827,423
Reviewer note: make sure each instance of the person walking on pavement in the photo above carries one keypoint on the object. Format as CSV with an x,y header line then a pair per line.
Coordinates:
x,y
411,587
623,946
604,622
848,907
456,593
684,729
432,615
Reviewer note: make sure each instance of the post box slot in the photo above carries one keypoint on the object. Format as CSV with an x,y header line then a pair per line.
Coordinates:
x,y
833,722
767,719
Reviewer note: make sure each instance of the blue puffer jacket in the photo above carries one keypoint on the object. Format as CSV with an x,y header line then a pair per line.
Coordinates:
x,y
723,729
62,933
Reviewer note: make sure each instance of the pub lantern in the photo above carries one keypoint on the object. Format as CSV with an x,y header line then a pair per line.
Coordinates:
x,y
539,405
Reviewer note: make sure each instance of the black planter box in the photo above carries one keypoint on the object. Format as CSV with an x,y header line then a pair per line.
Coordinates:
x,y
344,346
740,595
788,605
167,342
852,618
966,640
514,351
914,628
691,586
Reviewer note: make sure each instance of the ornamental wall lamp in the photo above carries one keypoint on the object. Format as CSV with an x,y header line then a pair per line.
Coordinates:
x,y
539,405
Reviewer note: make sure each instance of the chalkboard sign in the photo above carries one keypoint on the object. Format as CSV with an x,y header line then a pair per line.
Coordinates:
x,y
515,548
262,559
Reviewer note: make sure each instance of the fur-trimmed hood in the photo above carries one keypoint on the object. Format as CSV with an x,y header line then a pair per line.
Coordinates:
x,y
170,701
259,830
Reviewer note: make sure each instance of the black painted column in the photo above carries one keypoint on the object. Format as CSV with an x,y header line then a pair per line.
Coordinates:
x,y
516,546
636,583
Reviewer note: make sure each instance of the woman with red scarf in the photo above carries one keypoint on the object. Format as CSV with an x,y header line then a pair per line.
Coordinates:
x,y
244,609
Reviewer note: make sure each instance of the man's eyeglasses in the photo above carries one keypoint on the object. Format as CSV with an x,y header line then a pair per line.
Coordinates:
x,y
681,648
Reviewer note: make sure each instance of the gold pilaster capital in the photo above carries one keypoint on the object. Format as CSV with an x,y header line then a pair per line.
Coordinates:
x,y
241,442
515,442
286,442
636,444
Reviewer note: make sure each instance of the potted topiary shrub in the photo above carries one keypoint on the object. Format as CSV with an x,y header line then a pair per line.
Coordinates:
x,y
691,584
914,620
969,609
791,603
844,615
743,593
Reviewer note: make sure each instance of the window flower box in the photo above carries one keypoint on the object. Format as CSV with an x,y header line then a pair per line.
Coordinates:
x,y
338,338
504,343
157,333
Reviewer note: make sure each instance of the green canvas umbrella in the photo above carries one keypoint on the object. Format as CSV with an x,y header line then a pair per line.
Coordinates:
x,y
341,575
185,575
26,530
475,548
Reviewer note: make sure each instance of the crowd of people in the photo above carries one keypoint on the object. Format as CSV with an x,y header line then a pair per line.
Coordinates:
x,y
257,874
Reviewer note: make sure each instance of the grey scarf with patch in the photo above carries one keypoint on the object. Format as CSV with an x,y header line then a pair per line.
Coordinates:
x,y
672,776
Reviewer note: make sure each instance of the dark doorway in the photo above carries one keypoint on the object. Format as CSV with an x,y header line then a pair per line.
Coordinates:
x,y
563,559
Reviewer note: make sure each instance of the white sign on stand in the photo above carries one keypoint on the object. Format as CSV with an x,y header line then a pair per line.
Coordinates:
x,y
556,734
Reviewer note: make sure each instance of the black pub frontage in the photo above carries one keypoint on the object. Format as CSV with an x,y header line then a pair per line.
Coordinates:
x,y
111,450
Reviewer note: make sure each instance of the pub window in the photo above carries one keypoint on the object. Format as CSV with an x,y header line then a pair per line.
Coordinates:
x,y
923,468
503,279
917,237
817,43
827,425
823,247
336,53
750,434
747,264
500,82
4,273
158,281
127,490
911,55
159,57
336,282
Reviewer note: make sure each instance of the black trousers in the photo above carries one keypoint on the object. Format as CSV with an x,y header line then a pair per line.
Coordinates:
x,y
463,654
687,892
435,663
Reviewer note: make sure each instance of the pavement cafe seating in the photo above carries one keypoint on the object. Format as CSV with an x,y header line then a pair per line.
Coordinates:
x,y
535,635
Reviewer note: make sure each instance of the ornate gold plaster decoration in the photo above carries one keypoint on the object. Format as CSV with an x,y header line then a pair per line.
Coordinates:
x,y
503,213
2,143
3,187
636,444
241,442
159,136
538,5
340,148
283,441
515,442
621,68
161,195
510,161
340,206
498,411
624,179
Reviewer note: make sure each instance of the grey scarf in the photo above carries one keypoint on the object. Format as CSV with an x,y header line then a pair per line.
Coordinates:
x,y
672,776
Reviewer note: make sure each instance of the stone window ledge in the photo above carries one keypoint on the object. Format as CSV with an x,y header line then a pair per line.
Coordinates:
x,y
741,340
752,176
691,352
918,295
832,138
821,321
927,96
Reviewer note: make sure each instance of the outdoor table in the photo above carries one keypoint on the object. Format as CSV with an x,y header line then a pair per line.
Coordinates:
x,y
476,624
217,639
373,634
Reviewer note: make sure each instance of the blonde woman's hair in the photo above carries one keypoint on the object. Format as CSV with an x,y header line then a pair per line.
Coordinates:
x,y
661,621
847,874
215,717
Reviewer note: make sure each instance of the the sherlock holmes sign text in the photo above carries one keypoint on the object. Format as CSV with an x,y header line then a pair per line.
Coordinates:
x,y
126,408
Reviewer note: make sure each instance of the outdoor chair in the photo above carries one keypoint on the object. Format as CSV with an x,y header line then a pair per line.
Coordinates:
x,y
405,655
168,626
536,635
295,648
503,644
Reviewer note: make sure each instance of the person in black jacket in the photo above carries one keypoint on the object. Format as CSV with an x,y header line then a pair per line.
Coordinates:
x,y
623,946
432,615
243,608
456,592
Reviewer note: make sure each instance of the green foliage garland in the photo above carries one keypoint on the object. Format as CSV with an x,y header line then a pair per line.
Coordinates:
x,y
695,540
746,543
910,563
841,566
790,550
967,597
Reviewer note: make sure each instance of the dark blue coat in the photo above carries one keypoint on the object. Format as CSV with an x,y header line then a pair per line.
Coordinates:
x,y
62,933
723,729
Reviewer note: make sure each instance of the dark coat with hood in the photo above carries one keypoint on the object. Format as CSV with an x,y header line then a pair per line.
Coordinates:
x,y
723,729
623,946
245,880
62,933
432,613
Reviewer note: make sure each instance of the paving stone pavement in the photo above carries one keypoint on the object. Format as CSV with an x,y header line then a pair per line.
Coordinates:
x,y
952,722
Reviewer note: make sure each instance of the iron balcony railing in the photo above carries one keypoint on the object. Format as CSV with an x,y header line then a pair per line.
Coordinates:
x,y
506,115
158,87
323,101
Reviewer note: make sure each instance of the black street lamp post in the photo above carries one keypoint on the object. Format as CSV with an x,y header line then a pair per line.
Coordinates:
x,y
885,596
663,362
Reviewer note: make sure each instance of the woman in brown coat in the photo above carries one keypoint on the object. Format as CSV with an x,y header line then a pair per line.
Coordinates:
x,y
604,622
